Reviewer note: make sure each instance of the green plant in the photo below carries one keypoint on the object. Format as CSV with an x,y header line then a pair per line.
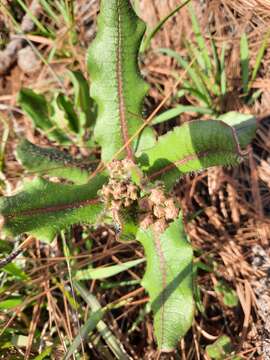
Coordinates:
x,y
132,189
249,75
65,118
206,80
221,349
207,86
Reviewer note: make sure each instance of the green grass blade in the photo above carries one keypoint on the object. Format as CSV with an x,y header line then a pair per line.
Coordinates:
x,y
88,327
115,284
223,78
193,51
188,88
35,20
216,61
259,57
207,79
244,59
112,342
50,11
106,272
146,42
190,70
3,142
200,40
180,109
45,354
254,97
6,12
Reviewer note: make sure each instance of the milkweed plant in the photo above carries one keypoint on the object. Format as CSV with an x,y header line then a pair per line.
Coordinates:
x,y
132,186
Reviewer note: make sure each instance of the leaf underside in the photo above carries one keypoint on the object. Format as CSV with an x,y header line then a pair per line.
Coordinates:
x,y
197,145
116,84
44,208
168,280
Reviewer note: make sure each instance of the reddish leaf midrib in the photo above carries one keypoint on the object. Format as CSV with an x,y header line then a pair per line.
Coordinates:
x,y
162,265
120,88
54,208
178,162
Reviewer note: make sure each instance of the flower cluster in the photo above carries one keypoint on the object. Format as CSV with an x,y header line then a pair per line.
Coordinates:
x,y
120,191
157,209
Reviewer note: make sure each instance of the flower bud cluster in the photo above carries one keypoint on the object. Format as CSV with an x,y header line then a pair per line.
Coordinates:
x,y
120,169
157,209
119,191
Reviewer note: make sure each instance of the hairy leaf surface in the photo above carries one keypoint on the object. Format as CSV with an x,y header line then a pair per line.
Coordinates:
x,y
44,208
116,84
51,161
197,145
168,279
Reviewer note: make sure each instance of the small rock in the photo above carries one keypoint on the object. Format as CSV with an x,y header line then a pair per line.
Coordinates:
x,y
28,61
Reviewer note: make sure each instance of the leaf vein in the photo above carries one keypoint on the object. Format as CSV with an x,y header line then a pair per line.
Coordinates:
x,y
120,90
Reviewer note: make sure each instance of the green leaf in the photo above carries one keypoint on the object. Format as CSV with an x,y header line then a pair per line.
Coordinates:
x,y
197,298
39,110
44,208
103,273
70,115
168,279
244,58
10,303
220,349
45,354
20,341
82,99
197,145
51,161
245,126
229,296
14,270
116,85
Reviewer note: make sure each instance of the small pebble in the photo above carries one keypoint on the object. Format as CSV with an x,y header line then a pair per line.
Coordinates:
x,y
28,60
